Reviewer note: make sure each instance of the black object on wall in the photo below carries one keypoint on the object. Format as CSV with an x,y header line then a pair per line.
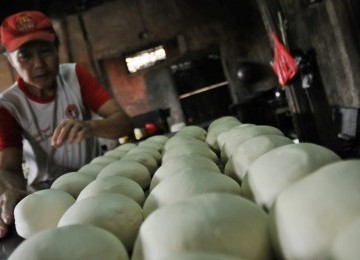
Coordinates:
x,y
314,121
202,88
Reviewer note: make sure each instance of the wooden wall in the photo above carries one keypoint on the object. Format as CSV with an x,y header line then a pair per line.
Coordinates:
x,y
328,31
7,75
100,37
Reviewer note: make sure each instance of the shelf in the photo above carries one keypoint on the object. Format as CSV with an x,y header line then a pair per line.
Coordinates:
x,y
204,89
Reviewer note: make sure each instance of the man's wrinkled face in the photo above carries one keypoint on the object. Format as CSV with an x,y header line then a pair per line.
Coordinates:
x,y
37,63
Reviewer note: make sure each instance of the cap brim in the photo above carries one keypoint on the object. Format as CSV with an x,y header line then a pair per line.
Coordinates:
x,y
37,36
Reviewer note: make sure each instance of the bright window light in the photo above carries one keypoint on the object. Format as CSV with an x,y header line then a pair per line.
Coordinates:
x,y
296,141
145,59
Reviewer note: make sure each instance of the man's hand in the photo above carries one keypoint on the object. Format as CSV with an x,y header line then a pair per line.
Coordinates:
x,y
71,131
12,185
8,200
12,190
113,124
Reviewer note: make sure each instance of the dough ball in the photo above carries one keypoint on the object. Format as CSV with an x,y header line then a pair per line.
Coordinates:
x,y
147,149
91,169
201,256
189,149
346,244
211,138
153,144
116,154
158,138
272,172
115,213
130,169
246,191
40,210
144,158
72,182
76,242
309,215
105,160
195,131
187,145
177,140
222,137
180,163
222,121
215,223
247,152
239,135
126,147
187,184
114,184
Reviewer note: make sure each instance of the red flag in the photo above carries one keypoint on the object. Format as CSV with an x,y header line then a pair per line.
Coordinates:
x,y
284,64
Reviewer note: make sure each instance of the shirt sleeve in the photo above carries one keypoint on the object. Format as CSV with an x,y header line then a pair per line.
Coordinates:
x,y
10,130
92,91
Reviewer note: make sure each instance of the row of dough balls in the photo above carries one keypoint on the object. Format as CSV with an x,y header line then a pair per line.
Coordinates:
x,y
266,164
93,213
312,195
193,211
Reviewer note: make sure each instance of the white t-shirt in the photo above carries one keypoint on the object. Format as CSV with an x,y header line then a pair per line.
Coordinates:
x,y
45,162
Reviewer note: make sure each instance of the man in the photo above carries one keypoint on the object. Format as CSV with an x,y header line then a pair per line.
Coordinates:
x,y
45,115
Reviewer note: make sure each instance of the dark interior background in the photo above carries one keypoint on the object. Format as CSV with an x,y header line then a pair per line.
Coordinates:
x,y
219,56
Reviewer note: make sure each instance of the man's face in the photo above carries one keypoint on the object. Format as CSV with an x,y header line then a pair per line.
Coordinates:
x,y
36,63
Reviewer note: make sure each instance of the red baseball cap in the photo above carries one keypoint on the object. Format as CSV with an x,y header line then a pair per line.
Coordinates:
x,y
23,27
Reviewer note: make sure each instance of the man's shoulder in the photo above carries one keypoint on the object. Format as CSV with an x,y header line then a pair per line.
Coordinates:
x,y
10,91
67,68
67,74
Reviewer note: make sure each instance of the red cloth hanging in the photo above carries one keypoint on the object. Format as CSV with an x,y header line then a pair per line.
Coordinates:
x,y
284,64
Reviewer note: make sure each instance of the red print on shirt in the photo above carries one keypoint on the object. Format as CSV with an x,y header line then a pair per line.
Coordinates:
x,y
72,111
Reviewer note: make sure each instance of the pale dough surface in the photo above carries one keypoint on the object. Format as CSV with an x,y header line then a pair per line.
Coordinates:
x,y
72,182
217,129
201,256
190,149
246,153
346,245
92,169
115,153
213,223
76,242
195,131
183,162
126,147
240,134
322,205
114,184
187,184
41,210
158,138
115,213
154,152
152,143
221,121
133,170
271,173
105,160
182,139
144,158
